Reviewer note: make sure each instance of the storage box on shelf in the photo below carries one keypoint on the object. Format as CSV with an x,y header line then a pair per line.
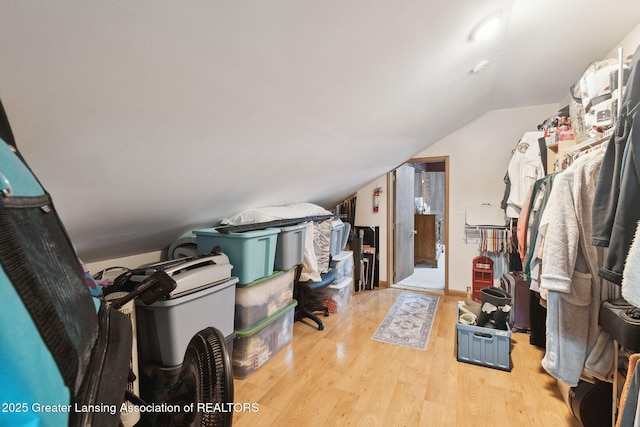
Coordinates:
x,y
262,298
290,246
483,346
251,253
254,347
342,263
166,327
335,296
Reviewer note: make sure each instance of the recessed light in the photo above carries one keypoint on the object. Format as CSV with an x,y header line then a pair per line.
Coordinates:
x,y
482,65
486,28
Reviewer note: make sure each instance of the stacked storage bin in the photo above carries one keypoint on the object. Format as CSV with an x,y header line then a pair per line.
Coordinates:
x,y
251,253
265,262
206,298
337,295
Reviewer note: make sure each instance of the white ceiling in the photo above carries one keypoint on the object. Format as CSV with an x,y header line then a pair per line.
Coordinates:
x,y
145,119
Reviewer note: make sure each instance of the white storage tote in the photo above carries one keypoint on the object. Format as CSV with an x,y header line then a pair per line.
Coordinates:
x,y
335,296
343,264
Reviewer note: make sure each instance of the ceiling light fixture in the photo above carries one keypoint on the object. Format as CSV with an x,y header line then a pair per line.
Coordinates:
x,y
482,65
486,28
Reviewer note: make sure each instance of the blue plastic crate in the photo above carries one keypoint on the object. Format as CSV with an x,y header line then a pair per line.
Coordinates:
x,y
484,346
251,253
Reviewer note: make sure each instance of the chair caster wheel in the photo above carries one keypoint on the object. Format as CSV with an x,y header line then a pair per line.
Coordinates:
x,y
320,327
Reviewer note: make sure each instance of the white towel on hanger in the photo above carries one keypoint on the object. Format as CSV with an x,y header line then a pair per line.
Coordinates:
x,y
631,273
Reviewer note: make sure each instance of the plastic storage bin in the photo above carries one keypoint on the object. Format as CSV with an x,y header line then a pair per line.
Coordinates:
x,y
262,298
336,296
337,238
484,346
254,347
166,327
251,253
290,246
343,265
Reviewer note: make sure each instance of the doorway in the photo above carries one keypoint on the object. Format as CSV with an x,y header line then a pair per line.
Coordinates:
x,y
429,239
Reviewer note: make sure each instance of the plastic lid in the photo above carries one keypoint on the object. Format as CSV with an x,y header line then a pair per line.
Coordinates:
x,y
342,256
266,322
293,227
344,283
243,235
262,280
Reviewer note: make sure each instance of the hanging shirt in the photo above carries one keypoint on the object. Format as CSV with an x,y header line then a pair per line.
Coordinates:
x,y
524,169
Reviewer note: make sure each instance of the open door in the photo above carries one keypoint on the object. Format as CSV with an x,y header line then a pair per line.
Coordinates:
x,y
403,226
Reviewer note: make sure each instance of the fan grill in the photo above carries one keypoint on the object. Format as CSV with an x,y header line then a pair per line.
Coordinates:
x,y
207,378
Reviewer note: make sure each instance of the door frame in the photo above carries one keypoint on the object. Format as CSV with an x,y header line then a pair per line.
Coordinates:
x,y
391,268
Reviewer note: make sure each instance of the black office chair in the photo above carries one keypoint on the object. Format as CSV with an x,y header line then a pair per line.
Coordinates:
x,y
307,302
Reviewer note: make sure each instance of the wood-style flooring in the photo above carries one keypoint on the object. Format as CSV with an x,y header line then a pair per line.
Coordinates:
x,y
340,376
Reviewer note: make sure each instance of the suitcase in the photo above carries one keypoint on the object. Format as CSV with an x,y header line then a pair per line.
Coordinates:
x,y
516,285
65,355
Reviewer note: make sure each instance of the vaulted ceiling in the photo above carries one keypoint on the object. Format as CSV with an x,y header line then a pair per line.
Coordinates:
x,y
145,119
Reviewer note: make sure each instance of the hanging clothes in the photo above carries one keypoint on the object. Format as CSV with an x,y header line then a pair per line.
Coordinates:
x,y
615,210
524,169
575,344
493,240
533,239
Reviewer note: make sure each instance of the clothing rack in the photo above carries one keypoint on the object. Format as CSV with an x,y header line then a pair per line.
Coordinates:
x,y
475,233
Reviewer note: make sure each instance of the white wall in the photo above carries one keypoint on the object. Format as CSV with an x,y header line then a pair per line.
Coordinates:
x,y
479,154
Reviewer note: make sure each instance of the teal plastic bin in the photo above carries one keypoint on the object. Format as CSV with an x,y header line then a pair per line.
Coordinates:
x,y
251,253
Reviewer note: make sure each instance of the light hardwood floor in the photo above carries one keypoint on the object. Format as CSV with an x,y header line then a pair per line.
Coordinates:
x,y
340,376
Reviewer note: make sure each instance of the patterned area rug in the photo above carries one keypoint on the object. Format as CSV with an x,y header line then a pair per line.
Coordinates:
x,y
409,321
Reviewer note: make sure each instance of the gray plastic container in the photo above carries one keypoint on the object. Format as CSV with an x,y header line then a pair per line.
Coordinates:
x,y
166,327
484,346
290,246
338,239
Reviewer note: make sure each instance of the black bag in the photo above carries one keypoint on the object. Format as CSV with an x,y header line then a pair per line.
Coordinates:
x,y
591,403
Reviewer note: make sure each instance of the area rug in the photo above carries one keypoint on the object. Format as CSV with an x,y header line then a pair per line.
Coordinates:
x,y
409,321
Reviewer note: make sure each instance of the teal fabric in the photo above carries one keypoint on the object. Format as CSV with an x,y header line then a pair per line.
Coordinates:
x,y
28,373
22,181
